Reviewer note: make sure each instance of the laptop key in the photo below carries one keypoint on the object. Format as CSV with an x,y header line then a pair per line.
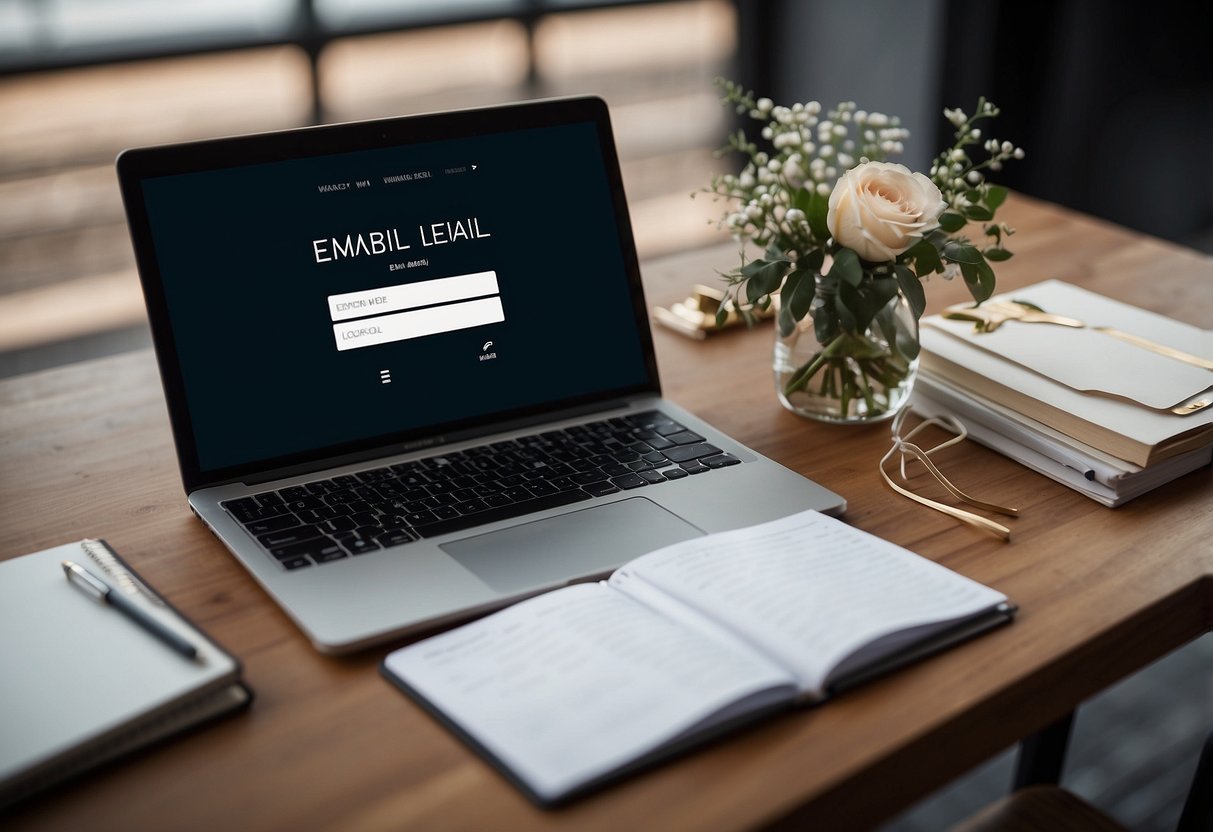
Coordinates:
x,y
721,461
358,546
296,563
271,524
675,473
694,467
395,537
314,547
601,489
506,512
330,555
685,437
629,481
286,537
651,477
685,453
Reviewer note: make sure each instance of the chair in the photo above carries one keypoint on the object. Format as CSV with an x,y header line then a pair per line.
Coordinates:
x,y
1038,804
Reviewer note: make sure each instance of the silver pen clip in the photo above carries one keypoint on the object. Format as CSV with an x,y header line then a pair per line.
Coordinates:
x,y
81,578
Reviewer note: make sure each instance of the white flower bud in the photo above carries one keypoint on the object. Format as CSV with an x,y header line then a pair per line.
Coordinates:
x,y
975,133
767,133
795,215
1018,154
823,189
826,151
765,104
812,107
753,211
973,176
1007,147
845,160
839,130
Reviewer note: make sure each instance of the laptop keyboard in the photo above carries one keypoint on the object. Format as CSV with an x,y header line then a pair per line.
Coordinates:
x,y
352,514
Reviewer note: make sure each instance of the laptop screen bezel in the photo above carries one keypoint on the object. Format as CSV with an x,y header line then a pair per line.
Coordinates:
x,y
136,165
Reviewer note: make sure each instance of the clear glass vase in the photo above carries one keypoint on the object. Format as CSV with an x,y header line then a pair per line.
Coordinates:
x,y
849,377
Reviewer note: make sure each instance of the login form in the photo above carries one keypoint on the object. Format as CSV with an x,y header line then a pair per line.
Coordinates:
x,y
330,300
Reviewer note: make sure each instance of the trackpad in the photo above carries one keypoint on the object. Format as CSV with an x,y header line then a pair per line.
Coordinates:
x,y
592,541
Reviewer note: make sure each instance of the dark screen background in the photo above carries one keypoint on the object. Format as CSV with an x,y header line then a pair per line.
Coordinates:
x,y
248,302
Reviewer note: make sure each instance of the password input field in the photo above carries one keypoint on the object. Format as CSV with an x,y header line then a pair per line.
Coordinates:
x,y
417,323
411,295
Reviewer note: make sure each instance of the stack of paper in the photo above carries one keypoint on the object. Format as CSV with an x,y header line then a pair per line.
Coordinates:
x,y
1110,418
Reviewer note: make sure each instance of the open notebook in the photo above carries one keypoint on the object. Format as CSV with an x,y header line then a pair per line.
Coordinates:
x,y
576,687
83,683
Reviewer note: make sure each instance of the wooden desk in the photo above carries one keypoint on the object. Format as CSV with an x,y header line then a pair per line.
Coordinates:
x,y
85,450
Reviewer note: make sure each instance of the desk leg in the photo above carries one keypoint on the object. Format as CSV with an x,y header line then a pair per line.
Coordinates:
x,y
1198,809
1043,755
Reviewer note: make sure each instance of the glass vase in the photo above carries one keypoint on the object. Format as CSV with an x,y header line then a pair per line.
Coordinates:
x,y
848,377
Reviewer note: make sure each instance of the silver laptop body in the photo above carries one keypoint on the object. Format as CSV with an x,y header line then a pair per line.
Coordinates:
x,y
360,327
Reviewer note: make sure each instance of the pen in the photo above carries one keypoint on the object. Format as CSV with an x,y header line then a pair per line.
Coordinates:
x,y
103,593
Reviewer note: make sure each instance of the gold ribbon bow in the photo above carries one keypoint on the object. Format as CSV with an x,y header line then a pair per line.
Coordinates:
x,y
908,450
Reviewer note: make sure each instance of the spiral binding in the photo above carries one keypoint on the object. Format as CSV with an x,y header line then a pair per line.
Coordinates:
x,y
101,554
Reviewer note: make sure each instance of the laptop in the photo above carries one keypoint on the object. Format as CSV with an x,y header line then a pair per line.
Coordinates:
x,y
409,370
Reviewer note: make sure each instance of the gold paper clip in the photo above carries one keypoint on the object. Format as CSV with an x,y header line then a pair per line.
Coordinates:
x,y
696,316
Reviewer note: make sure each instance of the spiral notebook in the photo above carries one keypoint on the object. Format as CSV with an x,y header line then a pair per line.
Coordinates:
x,y
83,682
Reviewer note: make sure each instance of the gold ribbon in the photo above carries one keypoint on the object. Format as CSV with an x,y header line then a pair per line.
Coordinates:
x,y
908,450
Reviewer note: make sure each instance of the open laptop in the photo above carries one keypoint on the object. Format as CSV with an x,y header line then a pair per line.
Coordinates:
x,y
409,368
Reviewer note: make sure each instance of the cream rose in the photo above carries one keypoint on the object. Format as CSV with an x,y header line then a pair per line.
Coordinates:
x,y
880,209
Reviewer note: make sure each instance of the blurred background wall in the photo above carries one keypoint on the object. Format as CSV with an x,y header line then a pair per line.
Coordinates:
x,y
1113,101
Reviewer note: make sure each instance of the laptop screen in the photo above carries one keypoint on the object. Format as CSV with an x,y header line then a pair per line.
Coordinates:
x,y
342,300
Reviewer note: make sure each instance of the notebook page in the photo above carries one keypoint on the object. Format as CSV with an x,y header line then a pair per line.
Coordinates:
x,y
77,670
573,684
810,589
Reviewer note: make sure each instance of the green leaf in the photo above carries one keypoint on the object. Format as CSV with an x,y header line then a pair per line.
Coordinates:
x,y
998,254
995,196
825,322
979,277
818,210
722,315
950,221
801,198
785,321
846,268
959,252
844,303
812,261
973,195
925,257
978,212
911,287
797,294
764,278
